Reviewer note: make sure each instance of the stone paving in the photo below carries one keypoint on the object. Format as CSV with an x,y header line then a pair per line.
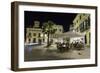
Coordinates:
x,y
51,53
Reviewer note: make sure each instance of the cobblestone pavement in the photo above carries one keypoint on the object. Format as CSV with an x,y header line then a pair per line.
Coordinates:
x,y
51,53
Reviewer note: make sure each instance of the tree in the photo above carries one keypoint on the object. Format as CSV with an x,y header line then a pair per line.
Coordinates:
x,y
48,28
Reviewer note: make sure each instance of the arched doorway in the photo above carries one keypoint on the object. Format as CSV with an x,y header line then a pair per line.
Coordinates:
x,y
34,40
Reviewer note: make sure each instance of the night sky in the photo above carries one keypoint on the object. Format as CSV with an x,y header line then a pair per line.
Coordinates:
x,y
64,19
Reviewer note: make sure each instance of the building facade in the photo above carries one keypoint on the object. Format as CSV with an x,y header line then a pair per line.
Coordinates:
x,y
81,24
59,29
35,35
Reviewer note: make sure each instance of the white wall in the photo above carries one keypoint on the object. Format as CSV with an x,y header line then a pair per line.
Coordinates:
x,y
5,36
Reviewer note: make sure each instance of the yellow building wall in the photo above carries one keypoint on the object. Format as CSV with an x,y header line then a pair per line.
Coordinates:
x,y
77,21
88,37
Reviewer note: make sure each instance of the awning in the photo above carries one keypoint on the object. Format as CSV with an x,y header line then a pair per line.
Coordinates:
x,y
69,34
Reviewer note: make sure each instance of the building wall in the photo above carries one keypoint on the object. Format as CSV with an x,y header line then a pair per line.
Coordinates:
x,y
35,35
59,29
81,24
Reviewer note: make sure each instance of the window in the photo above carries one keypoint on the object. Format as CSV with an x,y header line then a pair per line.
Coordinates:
x,y
34,34
82,27
80,17
43,40
60,30
34,40
86,24
77,21
85,39
89,21
29,35
29,40
39,41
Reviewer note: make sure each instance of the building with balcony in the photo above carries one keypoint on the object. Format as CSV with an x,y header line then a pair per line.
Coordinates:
x,y
81,24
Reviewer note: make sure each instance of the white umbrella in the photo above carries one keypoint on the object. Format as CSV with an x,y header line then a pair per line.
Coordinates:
x,y
69,34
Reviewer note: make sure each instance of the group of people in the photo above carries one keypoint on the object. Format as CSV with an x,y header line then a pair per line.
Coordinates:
x,y
68,46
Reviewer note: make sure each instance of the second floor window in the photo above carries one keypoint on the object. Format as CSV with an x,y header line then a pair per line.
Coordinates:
x,y
34,34
29,35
